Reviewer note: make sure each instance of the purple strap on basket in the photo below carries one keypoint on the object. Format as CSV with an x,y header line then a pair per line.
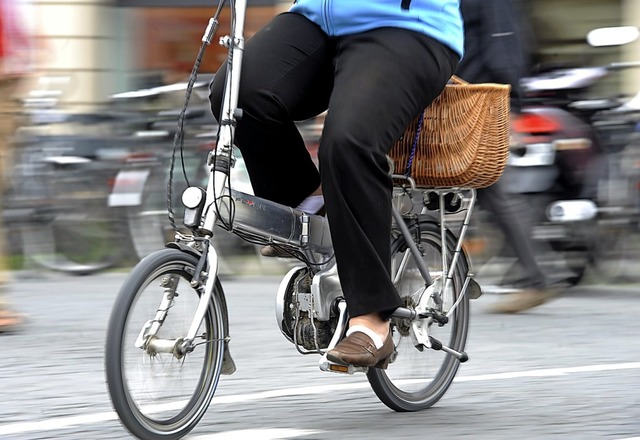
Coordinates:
x,y
414,147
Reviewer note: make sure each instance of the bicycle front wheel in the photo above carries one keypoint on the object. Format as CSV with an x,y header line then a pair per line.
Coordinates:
x,y
417,379
160,392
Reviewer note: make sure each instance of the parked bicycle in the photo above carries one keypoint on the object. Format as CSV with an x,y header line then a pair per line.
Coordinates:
x,y
168,335
56,205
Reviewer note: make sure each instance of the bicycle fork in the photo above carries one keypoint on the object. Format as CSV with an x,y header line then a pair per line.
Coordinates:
x,y
179,347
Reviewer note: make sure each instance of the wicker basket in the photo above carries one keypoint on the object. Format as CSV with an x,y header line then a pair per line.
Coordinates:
x,y
463,140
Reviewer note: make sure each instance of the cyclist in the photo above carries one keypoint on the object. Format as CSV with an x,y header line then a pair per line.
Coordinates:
x,y
374,65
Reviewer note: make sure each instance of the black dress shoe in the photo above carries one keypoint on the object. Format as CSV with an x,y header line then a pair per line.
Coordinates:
x,y
359,350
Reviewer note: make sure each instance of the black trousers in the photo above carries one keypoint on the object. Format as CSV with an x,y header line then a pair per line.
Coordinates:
x,y
373,84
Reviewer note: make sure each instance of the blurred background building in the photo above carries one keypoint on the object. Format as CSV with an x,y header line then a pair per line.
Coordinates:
x,y
99,47
561,26
90,49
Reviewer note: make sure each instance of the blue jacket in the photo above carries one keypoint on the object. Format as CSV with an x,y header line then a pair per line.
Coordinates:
x,y
439,19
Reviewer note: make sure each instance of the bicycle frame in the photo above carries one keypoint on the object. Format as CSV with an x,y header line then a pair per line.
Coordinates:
x,y
274,223
168,337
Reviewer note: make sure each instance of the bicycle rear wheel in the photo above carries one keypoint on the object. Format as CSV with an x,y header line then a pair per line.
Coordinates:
x,y
416,379
160,394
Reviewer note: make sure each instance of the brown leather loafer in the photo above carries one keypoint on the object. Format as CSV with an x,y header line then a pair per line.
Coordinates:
x,y
358,349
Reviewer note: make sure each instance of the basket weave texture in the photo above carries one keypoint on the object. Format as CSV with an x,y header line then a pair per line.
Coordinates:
x,y
463,141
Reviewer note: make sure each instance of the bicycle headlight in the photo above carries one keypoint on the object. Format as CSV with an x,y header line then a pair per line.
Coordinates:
x,y
193,199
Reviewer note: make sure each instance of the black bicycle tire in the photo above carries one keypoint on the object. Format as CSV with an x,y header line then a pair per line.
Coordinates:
x,y
138,424
390,395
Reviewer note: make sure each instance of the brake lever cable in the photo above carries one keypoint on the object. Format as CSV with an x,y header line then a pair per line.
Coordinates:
x,y
178,139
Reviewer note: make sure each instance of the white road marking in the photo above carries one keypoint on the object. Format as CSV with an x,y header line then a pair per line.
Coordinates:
x,y
549,372
256,434
57,423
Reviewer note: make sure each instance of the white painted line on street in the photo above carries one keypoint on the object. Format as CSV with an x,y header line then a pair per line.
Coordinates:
x,y
256,434
549,372
69,421
56,423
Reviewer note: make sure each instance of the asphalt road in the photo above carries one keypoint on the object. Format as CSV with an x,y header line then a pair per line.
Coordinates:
x,y
569,369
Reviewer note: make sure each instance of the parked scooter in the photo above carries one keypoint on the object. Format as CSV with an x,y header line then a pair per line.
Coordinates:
x,y
560,173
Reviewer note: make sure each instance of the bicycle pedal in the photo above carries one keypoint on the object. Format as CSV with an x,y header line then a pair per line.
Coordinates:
x,y
437,345
327,365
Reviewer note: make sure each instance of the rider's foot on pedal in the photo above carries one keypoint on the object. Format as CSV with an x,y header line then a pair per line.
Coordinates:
x,y
362,347
521,301
368,343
